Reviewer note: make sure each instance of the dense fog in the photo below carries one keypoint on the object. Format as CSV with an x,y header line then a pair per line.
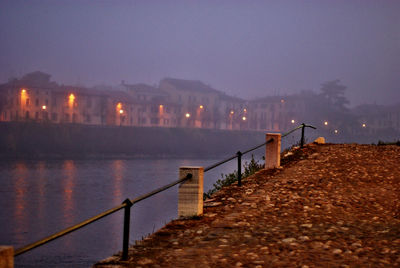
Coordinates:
x,y
247,49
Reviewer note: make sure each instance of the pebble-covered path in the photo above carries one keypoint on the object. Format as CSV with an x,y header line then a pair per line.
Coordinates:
x,y
329,206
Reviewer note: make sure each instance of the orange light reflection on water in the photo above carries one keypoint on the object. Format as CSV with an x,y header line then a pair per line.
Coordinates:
x,y
68,190
41,169
118,174
21,187
68,183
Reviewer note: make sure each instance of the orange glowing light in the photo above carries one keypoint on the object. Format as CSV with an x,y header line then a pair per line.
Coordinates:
x,y
44,107
187,115
293,121
201,107
245,110
24,96
161,110
336,131
282,100
364,125
121,111
119,106
71,100
232,112
244,118
326,123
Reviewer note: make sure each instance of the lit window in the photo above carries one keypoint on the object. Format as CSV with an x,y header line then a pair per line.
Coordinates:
x,y
119,106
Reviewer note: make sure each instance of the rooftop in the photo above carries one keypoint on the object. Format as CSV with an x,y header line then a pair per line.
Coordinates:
x,y
191,85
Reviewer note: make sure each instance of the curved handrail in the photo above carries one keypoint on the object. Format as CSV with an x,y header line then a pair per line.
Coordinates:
x,y
75,227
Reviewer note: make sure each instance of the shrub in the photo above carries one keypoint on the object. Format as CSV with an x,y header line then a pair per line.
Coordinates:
x,y
227,179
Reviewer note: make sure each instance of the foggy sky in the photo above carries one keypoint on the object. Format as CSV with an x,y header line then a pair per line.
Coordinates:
x,y
245,48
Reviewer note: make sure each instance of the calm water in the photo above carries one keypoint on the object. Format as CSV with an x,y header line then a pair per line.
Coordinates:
x,y
38,198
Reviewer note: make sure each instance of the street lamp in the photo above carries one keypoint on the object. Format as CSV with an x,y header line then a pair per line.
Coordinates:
x,y
187,115
326,123
293,121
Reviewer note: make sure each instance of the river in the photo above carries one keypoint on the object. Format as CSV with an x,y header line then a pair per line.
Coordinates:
x,y
39,198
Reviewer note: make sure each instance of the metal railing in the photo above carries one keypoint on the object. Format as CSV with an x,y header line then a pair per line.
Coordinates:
x,y
128,203
239,154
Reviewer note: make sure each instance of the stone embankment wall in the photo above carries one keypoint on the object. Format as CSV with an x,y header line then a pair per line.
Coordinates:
x,y
32,140
329,206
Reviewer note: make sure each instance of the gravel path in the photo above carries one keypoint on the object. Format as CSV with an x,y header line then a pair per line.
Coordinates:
x,y
329,206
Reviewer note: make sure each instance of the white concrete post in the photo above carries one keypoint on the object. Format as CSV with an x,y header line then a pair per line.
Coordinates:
x,y
273,151
190,196
6,257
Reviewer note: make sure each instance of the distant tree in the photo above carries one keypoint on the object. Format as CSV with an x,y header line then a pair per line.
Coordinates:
x,y
38,77
334,92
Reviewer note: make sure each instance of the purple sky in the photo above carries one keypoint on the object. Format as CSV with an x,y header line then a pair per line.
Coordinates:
x,y
245,48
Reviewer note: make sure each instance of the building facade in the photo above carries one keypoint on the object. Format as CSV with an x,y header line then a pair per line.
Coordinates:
x,y
182,103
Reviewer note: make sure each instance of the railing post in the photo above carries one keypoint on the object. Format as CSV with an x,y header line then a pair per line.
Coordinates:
x,y
303,126
239,157
6,257
190,194
273,151
127,221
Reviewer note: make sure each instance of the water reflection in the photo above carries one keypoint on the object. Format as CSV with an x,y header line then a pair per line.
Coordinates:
x,y
41,171
68,184
42,197
20,188
118,169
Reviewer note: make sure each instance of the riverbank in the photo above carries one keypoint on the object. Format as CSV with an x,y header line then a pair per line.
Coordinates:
x,y
20,140
330,206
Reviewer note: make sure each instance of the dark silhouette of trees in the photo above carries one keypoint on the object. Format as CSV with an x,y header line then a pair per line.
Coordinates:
x,y
334,93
